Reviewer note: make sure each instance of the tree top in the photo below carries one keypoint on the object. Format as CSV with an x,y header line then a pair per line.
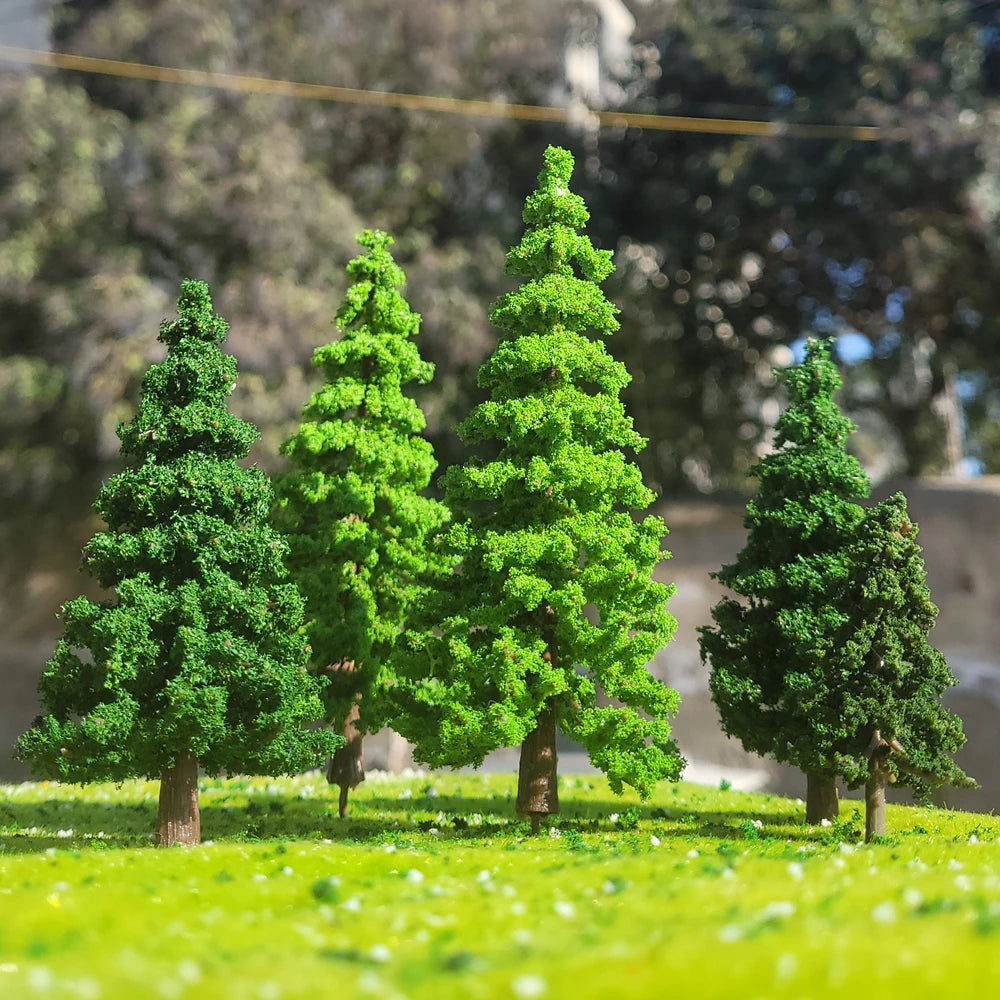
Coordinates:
x,y
553,202
196,319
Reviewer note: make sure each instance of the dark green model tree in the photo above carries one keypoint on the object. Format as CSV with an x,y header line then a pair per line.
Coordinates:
x,y
350,507
199,658
774,654
895,726
553,601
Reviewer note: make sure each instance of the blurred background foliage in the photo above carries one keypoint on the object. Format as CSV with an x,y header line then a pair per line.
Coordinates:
x,y
730,249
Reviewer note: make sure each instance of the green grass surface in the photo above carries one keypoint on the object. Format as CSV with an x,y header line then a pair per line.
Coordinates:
x,y
433,889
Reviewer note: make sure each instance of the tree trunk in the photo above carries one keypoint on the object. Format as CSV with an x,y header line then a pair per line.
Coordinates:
x,y
179,818
537,789
875,804
822,801
347,767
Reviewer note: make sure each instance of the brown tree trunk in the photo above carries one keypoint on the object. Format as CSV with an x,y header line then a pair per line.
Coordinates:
x,y
822,800
347,766
179,818
875,804
537,788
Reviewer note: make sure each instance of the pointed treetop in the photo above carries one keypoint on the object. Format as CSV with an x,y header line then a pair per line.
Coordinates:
x,y
194,307
814,416
376,277
553,202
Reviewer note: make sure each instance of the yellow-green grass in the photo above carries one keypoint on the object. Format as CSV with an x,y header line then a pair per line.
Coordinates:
x,y
432,888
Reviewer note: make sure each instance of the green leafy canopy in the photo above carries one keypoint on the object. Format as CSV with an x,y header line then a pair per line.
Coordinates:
x,y
553,602
350,506
829,642
201,649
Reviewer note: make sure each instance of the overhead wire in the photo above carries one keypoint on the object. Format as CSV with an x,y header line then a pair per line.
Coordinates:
x,y
442,105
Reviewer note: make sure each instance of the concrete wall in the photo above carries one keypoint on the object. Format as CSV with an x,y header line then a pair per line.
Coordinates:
x,y
958,531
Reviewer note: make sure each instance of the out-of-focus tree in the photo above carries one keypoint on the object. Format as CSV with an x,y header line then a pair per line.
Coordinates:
x,y
738,246
729,248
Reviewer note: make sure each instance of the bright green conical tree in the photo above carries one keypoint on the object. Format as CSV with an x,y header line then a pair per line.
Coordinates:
x,y
351,504
773,655
553,602
895,726
199,658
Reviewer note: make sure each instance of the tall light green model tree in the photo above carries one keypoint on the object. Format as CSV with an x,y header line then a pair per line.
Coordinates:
x,y
553,602
351,506
198,660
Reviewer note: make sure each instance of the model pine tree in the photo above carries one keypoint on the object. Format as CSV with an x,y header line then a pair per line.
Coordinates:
x,y
895,725
553,602
775,653
351,505
198,659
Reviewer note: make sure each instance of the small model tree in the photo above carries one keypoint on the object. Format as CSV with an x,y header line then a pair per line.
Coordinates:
x,y
351,505
553,601
890,704
198,660
774,655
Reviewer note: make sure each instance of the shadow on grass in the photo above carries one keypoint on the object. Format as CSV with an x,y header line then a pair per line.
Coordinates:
x,y
373,818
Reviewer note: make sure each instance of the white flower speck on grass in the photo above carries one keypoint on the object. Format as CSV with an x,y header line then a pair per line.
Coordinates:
x,y
795,870
838,862
170,988
565,909
786,966
778,908
8,967
518,909
189,971
379,953
414,875
912,897
352,905
825,822
730,933
84,988
522,935
484,876
654,840
64,833
973,839
406,793
389,848
554,833
846,848
41,979
268,991
884,913
259,877
955,865
613,818
693,853
287,870
529,986
963,883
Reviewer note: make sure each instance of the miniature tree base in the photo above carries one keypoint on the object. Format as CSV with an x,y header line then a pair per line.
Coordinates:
x,y
347,767
179,817
822,799
537,780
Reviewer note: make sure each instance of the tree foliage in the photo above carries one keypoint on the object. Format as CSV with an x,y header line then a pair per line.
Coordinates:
x,y
900,678
553,604
200,651
774,654
351,505
827,651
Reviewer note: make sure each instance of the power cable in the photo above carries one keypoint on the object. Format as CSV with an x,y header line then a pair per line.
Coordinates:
x,y
442,105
